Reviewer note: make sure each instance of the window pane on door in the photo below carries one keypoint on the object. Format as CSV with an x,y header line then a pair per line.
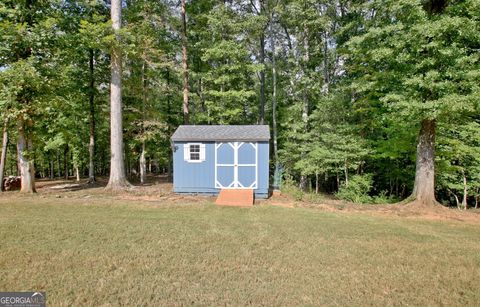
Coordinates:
x,y
246,154
246,176
225,154
225,175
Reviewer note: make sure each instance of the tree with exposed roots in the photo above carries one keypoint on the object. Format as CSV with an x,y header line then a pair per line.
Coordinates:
x,y
415,61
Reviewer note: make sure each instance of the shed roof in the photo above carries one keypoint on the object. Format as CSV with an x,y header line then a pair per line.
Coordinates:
x,y
222,133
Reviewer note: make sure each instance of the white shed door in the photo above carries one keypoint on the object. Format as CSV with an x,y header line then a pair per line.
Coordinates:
x,y
236,165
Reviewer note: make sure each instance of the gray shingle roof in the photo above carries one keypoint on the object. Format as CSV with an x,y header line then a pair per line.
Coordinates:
x,y
222,133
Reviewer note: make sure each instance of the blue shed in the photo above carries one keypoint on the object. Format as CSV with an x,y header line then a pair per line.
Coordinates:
x,y
207,159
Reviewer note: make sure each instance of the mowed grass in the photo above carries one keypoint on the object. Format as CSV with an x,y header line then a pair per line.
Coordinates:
x,y
199,254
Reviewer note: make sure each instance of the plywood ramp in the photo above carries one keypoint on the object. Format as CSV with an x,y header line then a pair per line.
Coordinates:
x,y
235,197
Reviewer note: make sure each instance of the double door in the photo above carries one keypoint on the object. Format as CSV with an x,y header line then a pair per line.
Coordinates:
x,y
236,165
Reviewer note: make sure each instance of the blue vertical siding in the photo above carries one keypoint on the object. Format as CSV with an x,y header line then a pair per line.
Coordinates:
x,y
200,177
194,177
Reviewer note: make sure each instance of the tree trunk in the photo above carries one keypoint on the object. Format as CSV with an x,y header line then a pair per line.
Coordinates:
x,y
59,164
200,95
3,158
169,170
326,77
117,178
65,161
24,163
169,104
52,167
346,173
396,187
306,59
186,115
103,166
143,165
276,175
72,165
465,191
303,182
338,181
261,119
306,106
457,201
91,100
77,173
424,189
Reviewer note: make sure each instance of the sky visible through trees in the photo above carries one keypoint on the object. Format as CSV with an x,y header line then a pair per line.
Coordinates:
x,y
370,100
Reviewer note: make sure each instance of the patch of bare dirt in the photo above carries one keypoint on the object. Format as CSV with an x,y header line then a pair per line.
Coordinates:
x,y
281,200
409,210
159,190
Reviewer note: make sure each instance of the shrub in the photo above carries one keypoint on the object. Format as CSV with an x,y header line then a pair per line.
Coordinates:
x,y
357,190
383,198
290,187
314,197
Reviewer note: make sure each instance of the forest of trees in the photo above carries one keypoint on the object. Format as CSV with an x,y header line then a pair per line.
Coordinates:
x,y
371,98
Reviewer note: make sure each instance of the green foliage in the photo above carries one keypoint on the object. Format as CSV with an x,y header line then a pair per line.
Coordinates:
x,y
354,79
459,160
290,188
357,189
150,55
384,198
296,192
406,65
21,78
228,95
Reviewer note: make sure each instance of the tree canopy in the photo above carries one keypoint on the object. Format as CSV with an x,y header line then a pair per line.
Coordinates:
x,y
384,92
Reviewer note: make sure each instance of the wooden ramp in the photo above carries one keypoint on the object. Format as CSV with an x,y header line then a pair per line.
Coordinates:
x,y
235,197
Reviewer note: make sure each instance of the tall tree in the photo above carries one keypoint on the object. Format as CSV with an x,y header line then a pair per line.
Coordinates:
x,y
149,54
260,10
91,117
118,179
24,49
424,187
417,64
300,20
186,111
228,78
89,32
277,171
24,141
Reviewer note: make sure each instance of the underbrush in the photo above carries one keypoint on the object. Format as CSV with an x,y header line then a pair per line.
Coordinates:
x,y
358,190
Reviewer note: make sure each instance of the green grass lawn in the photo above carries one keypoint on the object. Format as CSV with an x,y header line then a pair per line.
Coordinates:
x,y
199,254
